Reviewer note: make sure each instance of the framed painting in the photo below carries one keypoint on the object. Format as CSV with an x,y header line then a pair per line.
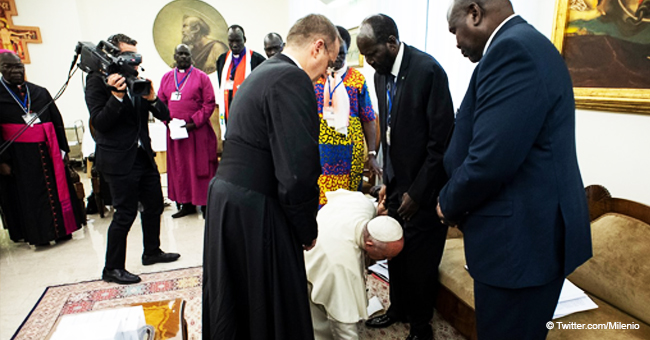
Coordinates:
x,y
354,58
606,45
15,38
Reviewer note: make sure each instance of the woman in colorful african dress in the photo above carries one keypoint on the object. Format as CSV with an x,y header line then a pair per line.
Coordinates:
x,y
346,119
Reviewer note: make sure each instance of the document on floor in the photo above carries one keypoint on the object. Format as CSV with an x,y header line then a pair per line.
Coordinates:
x,y
176,129
572,300
380,269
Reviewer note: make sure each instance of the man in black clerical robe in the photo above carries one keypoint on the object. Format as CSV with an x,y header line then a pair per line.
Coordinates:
x,y
38,201
263,201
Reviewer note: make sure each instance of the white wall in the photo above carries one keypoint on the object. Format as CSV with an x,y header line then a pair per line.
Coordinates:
x,y
65,22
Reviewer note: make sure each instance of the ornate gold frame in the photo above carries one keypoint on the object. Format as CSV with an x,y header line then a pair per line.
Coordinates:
x,y
606,99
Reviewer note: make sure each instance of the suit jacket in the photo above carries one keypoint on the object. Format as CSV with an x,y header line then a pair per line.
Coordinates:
x,y
421,119
119,125
515,186
256,60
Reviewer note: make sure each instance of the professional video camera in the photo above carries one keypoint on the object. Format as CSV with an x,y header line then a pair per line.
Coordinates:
x,y
107,59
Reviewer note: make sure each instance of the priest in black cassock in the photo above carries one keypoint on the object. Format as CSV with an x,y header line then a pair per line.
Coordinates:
x,y
38,201
263,201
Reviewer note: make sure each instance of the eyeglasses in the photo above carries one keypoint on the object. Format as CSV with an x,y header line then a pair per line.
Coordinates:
x,y
330,62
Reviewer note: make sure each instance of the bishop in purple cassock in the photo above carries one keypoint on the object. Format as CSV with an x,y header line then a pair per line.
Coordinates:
x,y
191,161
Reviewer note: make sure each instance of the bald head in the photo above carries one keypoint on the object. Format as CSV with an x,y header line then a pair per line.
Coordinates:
x,y
378,41
273,44
473,21
12,68
183,56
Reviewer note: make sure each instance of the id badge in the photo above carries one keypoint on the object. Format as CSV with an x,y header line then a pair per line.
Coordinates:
x,y
176,96
328,115
29,116
229,85
388,135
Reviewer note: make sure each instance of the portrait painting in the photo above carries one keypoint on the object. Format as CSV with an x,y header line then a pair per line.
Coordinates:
x,y
606,46
196,24
15,38
354,58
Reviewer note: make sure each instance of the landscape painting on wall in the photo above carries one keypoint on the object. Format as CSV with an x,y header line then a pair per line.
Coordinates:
x,y
606,45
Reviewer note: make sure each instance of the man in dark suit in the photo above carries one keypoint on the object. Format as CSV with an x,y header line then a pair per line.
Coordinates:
x,y
233,67
416,115
515,188
124,155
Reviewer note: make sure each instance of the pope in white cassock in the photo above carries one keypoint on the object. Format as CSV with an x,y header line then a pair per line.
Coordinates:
x,y
347,230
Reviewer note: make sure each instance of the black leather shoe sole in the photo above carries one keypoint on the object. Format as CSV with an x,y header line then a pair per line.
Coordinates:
x,y
160,258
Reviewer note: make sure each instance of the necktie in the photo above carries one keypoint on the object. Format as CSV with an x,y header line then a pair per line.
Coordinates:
x,y
390,96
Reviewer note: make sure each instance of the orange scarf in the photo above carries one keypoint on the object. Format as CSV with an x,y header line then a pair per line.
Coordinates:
x,y
240,75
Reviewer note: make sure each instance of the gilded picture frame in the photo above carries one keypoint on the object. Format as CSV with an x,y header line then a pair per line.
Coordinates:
x,y
582,19
354,57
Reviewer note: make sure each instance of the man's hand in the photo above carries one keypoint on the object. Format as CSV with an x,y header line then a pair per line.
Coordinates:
x,y
408,208
118,82
309,247
381,206
373,166
442,217
5,169
152,94
189,126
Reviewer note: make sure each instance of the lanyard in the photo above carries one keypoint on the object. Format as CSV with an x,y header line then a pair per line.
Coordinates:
x,y
182,80
329,86
25,104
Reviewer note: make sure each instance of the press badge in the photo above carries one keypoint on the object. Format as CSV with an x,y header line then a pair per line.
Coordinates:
x,y
328,115
229,85
29,116
176,96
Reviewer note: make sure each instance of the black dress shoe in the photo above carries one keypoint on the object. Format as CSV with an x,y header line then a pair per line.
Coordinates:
x,y
159,258
381,321
417,337
120,276
187,209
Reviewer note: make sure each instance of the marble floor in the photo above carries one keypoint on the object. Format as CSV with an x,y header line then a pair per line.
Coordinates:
x,y
25,271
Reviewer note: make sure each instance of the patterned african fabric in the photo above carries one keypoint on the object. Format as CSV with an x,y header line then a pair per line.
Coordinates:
x,y
341,155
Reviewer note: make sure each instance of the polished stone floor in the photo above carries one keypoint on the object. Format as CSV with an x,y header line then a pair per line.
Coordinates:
x,y
25,271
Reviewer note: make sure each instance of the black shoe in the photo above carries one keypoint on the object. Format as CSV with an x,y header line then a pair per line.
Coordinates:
x,y
187,209
417,337
120,276
159,258
203,210
381,321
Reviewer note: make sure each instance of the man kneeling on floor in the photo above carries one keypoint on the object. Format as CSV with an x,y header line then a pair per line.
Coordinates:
x,y
347,230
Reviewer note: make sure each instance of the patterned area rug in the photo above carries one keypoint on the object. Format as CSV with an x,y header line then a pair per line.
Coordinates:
x,y
182,283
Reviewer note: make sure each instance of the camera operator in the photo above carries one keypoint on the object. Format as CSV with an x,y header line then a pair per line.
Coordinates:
x,y
124,156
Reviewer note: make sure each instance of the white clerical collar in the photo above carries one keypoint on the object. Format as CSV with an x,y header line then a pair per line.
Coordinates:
x,y
495,32
398,61
292,59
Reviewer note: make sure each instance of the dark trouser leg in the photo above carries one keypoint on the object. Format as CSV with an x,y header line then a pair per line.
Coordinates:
x,y
125,201
150,195
520,314
425,240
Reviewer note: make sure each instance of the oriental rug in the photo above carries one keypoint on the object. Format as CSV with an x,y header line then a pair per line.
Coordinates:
x,y
181,283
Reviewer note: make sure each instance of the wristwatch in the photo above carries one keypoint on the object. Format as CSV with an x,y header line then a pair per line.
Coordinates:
x,y
373,152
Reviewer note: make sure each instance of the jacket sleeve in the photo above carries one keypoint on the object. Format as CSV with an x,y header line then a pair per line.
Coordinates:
x,y
293,130
202,116
105,110
440,119
509,115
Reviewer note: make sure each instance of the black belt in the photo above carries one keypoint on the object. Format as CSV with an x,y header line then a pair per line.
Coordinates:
x,y
248,167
